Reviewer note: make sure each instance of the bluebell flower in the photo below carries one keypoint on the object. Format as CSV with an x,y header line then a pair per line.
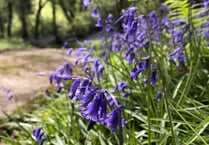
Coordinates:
x,y
69,52
64,45
114,120
92,110
109,18
146,63
86,4
121,86
99,22
103,110
95,13
9,93
177,55
58,80
130,55
74,87
153,78
88,97
38,133
129,17
158,95
134,73
84,86
109,23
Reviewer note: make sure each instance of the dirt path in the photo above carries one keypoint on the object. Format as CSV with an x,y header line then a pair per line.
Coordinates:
x,y
18,71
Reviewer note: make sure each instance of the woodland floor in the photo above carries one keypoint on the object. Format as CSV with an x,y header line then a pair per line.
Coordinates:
x,y
19,71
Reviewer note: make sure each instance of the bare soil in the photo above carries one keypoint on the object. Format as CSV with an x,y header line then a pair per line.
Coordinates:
x,y
19,71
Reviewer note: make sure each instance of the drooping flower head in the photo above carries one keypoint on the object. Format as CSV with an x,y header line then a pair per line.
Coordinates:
x,y
86,4
38,134
95,13
8,93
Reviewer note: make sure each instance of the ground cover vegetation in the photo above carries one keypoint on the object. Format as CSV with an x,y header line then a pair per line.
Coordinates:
x,y
146,82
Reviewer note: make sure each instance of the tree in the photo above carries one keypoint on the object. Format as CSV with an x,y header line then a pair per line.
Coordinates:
x,y
37,20
10,17
24,8
54,23
68,8
2,18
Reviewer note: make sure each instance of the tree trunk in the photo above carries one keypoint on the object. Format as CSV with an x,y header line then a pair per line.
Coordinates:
x,y
54,22
65,11
10,17
1,26
24,27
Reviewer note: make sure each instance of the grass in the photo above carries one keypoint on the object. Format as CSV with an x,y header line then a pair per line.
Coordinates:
x,y
13,44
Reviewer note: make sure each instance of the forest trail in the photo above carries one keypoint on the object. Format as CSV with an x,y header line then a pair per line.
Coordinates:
x,y
26,73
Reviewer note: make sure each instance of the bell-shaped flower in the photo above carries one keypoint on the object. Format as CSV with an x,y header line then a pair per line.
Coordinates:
x,y
115,120
38,133
74,87
153,77
99,22
95,13
92,110
86,4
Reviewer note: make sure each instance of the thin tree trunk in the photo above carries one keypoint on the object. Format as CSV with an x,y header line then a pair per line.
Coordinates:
x,y
1,26
65,11
37,20
54,23
24,27
10,17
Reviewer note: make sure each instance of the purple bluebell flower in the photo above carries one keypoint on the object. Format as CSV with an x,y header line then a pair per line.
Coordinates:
x,y
74,87
136,70
84,86
92,110
95,13
134,73
153,20
130,55
38,133
121,86
109,23
177,54
146,63
8,93
103,110
99,22
126,94
114,120
86,4
64,45
158,95
129,17
88,97
69,52
153,77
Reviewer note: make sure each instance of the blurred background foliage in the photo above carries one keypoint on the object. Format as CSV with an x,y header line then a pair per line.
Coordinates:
x,y
43,22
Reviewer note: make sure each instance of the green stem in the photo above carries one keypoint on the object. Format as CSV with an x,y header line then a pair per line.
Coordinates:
x,y
170,119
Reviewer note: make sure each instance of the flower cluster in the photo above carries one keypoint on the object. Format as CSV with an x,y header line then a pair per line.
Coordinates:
x,y
95,104
140,37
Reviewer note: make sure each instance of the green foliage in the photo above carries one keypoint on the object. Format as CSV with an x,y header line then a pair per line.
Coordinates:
x,y
12,43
